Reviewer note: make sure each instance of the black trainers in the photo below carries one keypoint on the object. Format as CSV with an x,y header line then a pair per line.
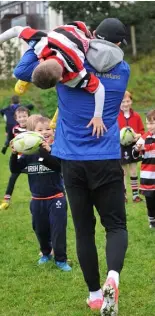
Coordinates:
x,y
3,150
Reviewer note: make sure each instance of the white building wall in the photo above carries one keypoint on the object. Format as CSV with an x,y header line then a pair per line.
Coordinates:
x,y
53,19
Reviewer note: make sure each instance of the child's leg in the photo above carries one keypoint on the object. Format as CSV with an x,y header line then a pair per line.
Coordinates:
x,y
150,203
58,224
125,169
41,225
9,137
8,193
134,182
12,180
26,65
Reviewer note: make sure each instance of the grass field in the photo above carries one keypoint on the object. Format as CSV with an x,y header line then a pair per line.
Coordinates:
x,y
27,289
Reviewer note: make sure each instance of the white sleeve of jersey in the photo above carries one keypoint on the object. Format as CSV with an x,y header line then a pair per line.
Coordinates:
x,y
11,33
99,100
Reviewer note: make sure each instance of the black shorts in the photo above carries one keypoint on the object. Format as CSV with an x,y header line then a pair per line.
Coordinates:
x,y
99,184
126,155
92,174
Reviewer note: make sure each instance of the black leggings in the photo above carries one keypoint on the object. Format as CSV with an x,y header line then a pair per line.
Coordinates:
x,y
150,203
109,202
12,180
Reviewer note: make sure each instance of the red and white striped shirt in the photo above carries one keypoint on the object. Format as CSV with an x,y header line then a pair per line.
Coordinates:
x,y
68,44
147,173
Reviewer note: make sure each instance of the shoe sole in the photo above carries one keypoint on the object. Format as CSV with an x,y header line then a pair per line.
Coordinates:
x,y
109,307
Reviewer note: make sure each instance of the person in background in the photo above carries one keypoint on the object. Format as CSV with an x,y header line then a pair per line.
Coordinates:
x,y
146,146
9,116
21,116
128,117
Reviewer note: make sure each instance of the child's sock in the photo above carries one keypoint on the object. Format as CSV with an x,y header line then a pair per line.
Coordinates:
x,y
151,221
7,198
134,187
114,275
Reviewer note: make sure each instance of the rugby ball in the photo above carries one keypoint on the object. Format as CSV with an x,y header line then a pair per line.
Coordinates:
x,y
27,142
127,136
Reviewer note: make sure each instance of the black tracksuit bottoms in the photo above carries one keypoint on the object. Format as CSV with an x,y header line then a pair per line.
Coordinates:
x,y
99,184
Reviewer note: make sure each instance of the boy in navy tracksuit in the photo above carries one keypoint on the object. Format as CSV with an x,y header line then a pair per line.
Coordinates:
x,y
48,205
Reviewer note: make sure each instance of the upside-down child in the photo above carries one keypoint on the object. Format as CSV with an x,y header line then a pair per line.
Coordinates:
x,y
60,58
48,205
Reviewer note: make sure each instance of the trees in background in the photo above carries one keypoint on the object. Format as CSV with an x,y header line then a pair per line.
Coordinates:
x,y
140,14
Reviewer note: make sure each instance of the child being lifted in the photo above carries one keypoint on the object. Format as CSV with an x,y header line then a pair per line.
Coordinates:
x,y
60,58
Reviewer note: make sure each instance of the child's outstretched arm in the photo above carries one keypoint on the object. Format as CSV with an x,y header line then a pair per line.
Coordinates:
x,y
11,33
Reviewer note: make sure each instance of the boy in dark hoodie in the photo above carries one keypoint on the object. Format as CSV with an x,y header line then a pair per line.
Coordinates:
x,y
9,116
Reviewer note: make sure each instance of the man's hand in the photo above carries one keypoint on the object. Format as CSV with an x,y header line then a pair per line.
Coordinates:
x,y
45,145
98,126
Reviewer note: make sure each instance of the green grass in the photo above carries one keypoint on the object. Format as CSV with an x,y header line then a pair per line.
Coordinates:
x,y
29,290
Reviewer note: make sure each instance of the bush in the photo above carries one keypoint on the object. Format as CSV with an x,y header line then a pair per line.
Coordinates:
x,y
45,101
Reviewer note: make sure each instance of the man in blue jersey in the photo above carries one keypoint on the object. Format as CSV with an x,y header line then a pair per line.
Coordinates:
x,y
92,172
91,167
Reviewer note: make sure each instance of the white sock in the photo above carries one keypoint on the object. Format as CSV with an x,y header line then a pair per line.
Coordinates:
x,y
115,275
96,295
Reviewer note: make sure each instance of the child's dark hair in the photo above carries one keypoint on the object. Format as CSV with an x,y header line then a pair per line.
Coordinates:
x,y
22,109
47,74
150,116
15,99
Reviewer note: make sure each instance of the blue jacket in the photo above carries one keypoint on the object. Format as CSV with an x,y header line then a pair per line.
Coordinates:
x,y
73,141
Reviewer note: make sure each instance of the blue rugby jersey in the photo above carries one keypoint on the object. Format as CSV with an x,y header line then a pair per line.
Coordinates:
x,y
44,174
73,141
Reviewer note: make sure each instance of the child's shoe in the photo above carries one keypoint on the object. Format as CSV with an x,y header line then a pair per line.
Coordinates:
x,y
21,86
3,150
94,305
4,205
110,301
44,259
64,266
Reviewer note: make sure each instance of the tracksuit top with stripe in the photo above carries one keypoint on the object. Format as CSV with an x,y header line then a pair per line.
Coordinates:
x,y
18,130
147,172
73,141
43,170
68,44
134,121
